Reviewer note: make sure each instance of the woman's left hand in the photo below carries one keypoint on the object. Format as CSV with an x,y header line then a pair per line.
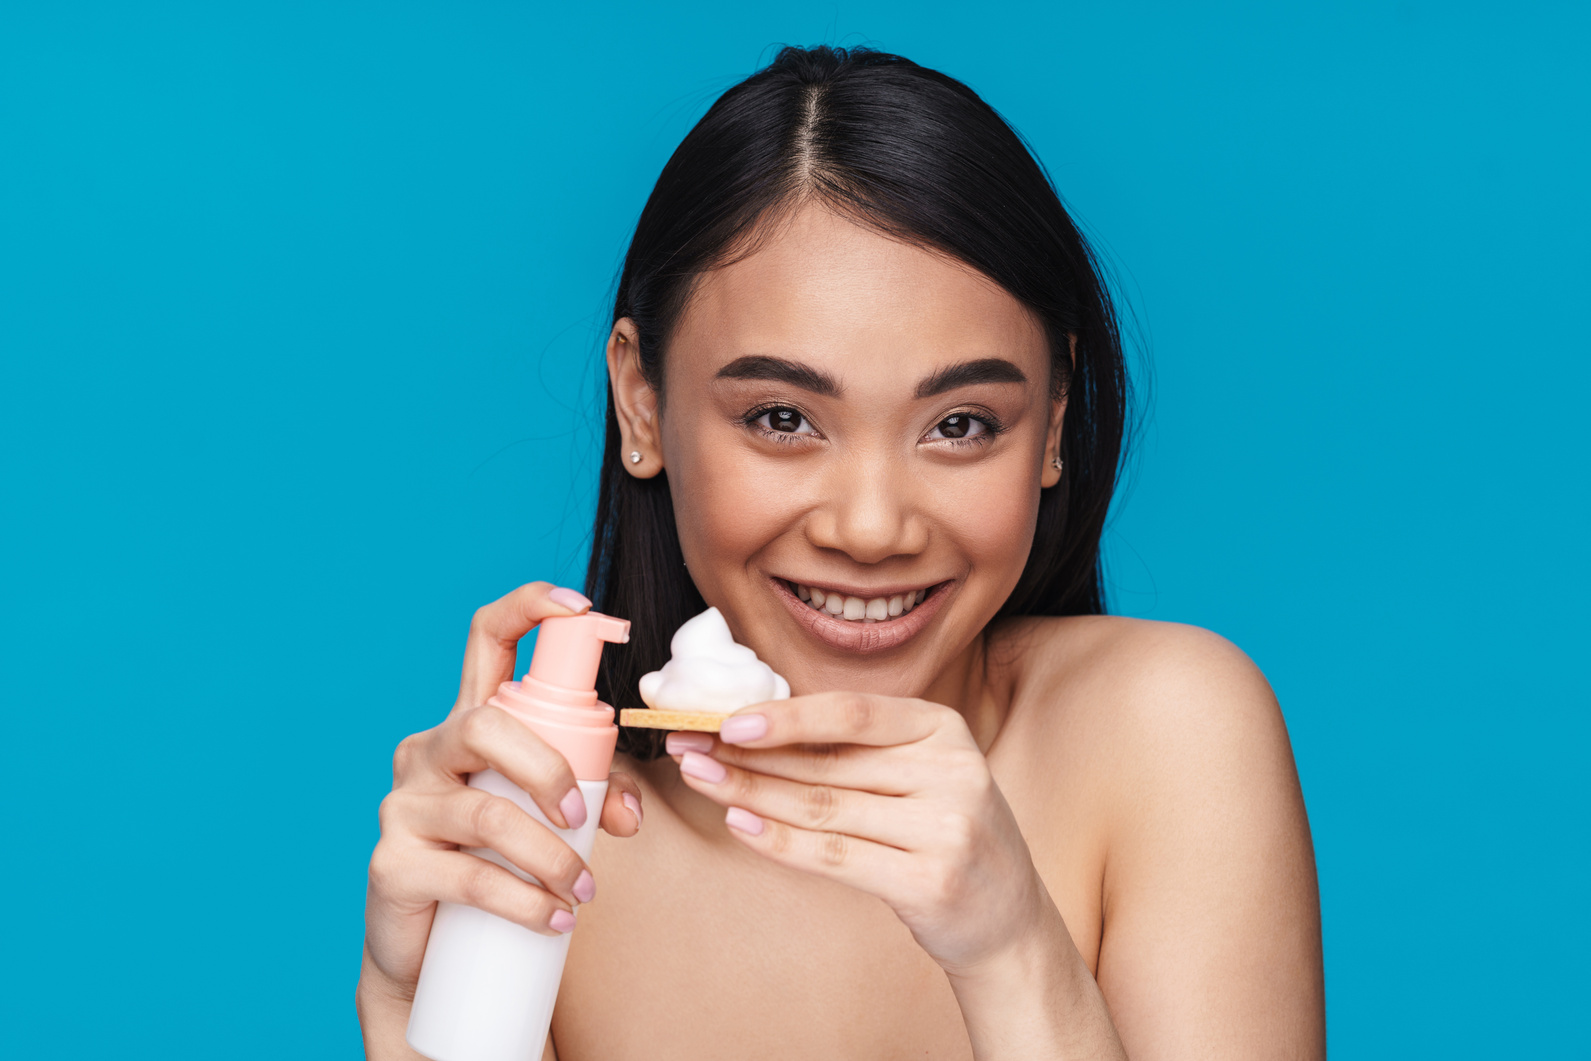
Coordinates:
x,y
890,796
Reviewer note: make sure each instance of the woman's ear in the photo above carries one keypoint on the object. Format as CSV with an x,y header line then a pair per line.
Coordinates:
x,y
634,402
1053,462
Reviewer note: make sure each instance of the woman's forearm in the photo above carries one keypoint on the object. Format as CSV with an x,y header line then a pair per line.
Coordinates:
x,y
1036,1000
383,1018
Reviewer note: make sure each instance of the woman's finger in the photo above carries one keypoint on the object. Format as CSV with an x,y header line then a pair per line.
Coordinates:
x,y
472,818
881,770
836,718
417,875
861,864
621,809
488,736
495,632
891,820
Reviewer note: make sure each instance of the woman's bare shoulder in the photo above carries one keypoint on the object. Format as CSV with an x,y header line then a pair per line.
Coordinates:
x,y
1167,742
1133,674
1155,720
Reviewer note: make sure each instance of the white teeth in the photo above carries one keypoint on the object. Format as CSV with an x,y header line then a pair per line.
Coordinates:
x,y
856,609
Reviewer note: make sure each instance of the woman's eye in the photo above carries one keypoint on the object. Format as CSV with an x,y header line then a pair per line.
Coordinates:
x,y
959,425
785,420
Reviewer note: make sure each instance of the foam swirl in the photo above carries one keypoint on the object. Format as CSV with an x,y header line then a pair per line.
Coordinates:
x,y
710,672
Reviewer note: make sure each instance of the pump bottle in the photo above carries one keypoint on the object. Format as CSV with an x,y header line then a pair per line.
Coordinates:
x,y
487,986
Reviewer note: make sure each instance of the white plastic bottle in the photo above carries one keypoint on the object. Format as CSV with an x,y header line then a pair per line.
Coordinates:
x,y
488,986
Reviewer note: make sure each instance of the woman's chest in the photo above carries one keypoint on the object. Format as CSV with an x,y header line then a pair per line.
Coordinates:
x,y
696,947
752,971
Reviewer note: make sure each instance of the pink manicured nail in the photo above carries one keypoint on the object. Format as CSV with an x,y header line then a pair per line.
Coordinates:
x,y
585,888
572,599
743,728
680,743
743,820
703,768
629,800
573,806
561,921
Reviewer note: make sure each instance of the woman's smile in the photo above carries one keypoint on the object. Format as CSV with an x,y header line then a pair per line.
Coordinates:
x,y
862,620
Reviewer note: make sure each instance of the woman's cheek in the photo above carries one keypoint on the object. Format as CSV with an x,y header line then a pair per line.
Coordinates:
x,y
727,506
990,515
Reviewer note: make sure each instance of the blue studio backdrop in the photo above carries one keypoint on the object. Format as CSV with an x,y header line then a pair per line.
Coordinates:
x,y
300,311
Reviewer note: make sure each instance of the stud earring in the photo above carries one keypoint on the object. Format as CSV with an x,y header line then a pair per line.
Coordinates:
x,y
1057,462
635,456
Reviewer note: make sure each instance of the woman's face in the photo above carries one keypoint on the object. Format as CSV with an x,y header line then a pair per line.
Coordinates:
x,y
849,418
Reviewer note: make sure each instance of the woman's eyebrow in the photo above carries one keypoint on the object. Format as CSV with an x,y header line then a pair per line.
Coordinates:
x,y
777,369
983,370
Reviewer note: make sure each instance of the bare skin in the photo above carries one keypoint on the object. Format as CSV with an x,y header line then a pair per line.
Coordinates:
x,y
1046,838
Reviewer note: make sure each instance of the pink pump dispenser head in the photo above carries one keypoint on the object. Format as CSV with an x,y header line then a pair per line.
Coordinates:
x,y
557,697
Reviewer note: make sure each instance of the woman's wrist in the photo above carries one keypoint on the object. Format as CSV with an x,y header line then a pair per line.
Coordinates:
x,y
1035,998
383,1015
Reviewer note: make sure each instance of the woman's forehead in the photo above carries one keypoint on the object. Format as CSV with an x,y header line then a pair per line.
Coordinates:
x,y
828,291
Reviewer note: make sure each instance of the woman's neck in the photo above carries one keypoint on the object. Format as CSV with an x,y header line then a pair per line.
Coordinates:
x,y
976,688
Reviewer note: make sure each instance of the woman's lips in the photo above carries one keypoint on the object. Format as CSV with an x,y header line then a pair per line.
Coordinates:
x,y
852,636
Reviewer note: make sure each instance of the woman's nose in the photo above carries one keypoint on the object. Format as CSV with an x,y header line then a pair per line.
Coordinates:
x,y
871,516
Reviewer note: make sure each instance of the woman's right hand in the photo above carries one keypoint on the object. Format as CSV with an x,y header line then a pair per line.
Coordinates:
x,y
431,812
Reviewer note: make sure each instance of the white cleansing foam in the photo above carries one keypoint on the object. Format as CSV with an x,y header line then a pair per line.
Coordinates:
x,y
709,672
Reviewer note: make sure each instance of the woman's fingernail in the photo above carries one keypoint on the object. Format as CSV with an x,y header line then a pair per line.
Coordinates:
x,y
743,820
743,728
680,743
573,806
571,599
703,768
585,888
629,800
561,921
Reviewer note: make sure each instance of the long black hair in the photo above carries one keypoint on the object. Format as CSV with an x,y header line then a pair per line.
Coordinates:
x,y
916,155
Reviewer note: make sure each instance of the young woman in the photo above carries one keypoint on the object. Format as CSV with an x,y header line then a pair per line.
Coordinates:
x,y
859,350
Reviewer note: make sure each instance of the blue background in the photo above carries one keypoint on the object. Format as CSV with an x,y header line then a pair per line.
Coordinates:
x,y
299,312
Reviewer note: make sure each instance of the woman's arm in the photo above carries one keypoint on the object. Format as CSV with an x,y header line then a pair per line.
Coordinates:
x,y
1037,999
1211,944
1211,940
